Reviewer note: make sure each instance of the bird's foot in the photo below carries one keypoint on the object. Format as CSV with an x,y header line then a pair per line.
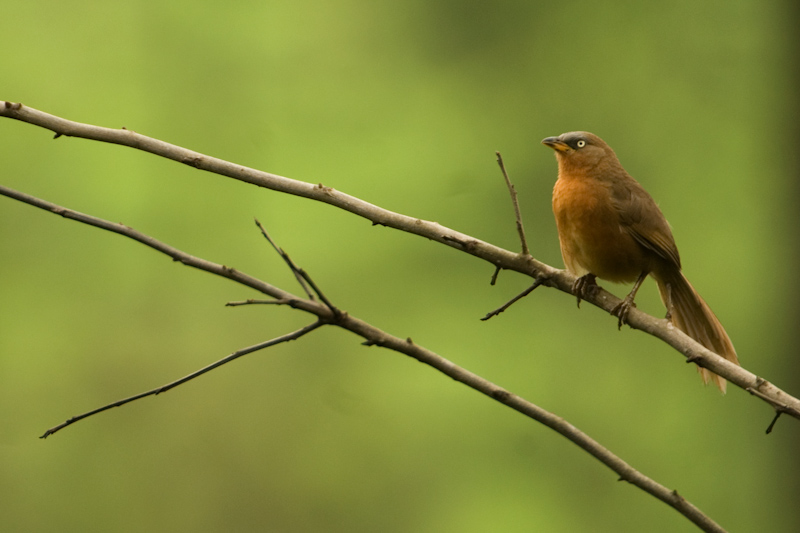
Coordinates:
x,y
622,309
584,286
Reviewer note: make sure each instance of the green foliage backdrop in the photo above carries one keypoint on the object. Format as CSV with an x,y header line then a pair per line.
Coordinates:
x,y
403,105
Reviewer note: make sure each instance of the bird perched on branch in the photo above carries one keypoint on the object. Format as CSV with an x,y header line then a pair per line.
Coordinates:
x,y
611,228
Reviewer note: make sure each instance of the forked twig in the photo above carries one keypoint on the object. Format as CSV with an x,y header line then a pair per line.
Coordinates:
x,y
303,279
295,270
301,275
539,278
521,230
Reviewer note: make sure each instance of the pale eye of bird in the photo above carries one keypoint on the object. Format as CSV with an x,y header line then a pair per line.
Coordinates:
x,y
581,143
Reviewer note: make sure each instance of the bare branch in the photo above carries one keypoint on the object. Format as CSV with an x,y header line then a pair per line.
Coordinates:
x,y
281,296
318,192
500,258
374,336
625,471
164,388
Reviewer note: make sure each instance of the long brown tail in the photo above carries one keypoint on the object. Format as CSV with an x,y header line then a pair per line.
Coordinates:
x,y
692,315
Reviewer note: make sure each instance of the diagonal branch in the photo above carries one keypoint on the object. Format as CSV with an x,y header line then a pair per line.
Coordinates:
x,y
177,255
197,373
778,399
373,337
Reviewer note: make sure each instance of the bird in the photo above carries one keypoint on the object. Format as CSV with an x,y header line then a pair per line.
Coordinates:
x,y
610,228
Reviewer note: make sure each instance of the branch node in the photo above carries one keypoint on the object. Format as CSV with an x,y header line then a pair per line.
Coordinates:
x,y
193,161
467,246
501,395
251,301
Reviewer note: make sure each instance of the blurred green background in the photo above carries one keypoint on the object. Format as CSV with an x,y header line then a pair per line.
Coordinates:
x,y
403,105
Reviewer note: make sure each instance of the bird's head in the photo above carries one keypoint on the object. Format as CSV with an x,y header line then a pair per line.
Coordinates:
x,y
580,149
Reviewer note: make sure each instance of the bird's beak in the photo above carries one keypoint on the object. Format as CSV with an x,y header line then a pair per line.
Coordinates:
x,y
556,144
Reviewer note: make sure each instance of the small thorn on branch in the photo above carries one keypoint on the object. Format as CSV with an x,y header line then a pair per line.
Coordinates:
x,y
678,497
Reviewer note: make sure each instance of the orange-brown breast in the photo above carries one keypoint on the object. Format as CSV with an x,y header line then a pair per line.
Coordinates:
x,y
592,239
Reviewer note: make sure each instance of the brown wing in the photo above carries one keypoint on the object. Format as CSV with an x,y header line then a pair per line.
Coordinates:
x,y
641,218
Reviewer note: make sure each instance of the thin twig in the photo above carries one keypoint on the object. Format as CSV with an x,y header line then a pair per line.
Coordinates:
x,y
774,421
164,388
513,192
295,270
523,294
496,273
301,275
